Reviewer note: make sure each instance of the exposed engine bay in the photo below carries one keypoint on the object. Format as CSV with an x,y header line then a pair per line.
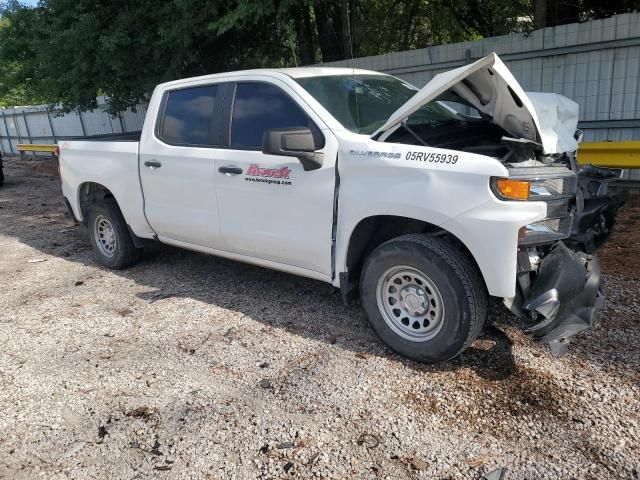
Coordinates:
x,y
480,136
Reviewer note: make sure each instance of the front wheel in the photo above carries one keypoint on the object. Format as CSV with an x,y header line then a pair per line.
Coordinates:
x,y
110,236
424,297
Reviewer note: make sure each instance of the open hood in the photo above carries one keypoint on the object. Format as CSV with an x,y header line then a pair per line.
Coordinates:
x,y
489,86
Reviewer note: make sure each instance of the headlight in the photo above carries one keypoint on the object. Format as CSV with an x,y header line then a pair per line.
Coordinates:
x,y
536,184
555,186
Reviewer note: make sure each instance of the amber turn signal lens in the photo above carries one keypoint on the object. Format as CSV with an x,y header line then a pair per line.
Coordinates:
x,y
513,189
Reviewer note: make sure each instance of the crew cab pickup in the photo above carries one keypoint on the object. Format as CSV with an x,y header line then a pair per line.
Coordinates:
x,y
421,202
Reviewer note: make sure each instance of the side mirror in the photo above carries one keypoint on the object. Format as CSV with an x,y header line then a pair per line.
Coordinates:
x,y
293,142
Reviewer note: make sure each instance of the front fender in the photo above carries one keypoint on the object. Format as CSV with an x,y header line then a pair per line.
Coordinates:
x,y
456,198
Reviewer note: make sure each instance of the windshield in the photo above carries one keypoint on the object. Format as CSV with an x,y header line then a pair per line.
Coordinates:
x,y
362,103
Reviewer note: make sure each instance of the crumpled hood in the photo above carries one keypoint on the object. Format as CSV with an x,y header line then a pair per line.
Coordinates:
x,y
557,119
489,86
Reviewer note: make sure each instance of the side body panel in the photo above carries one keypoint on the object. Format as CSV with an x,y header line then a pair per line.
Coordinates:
x,y
447,188
111,164
274,209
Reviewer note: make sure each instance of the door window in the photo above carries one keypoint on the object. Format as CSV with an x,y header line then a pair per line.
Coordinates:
x,y
189,116
259,107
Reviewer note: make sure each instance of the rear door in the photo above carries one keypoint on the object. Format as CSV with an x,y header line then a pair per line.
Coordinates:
x,y
270,207
177,166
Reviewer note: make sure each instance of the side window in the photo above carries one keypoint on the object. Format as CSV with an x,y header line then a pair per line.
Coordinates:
x,y
259,107
189,116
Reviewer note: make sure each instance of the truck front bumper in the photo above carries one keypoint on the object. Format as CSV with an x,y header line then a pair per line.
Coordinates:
x,y
563,298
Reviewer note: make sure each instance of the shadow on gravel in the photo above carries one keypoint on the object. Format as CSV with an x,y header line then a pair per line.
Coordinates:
x,y
493,363
313,309
31,209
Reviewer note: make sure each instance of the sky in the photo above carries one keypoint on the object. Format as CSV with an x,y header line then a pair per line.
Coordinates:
x,y
28,3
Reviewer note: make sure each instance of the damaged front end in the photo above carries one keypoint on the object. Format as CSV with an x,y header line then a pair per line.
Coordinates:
x,y
560,295
558,287
534,135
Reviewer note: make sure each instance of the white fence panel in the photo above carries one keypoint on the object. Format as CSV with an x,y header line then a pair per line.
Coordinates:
x,y
596,63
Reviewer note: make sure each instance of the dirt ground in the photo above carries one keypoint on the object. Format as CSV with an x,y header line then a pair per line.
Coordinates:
x,y
189,366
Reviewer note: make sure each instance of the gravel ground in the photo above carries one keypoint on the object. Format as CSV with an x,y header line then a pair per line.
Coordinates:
x,y
189,366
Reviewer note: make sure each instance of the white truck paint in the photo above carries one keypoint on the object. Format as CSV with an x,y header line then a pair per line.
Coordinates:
x,y
274,211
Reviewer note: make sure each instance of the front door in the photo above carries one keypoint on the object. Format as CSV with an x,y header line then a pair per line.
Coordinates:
x,y
270,208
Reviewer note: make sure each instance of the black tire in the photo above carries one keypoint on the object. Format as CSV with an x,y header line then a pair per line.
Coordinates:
x,y
459,285
124,252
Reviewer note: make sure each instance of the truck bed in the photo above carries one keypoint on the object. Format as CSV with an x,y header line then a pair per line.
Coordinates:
x,y
104,160
111,137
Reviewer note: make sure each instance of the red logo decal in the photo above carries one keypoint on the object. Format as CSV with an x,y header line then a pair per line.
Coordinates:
x,y
254,170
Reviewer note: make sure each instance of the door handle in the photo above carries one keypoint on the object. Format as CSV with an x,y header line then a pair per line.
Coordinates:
x,y
152,164
230,170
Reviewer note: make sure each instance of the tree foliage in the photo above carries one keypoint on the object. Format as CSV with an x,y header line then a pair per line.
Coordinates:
x,y
69,51
549,13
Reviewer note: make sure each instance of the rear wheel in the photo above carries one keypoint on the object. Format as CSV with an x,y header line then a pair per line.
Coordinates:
x,y
110,236
424,297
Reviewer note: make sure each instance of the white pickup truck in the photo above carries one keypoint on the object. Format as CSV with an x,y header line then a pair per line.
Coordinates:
x,y
422,202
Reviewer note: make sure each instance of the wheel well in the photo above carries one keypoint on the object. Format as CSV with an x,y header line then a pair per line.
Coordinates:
x,y
91,193
372,232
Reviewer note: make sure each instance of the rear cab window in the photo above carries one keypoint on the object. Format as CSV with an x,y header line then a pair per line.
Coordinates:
x,y
189,116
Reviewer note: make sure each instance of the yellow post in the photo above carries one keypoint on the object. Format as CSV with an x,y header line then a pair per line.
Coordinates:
x,y
610,154
36,147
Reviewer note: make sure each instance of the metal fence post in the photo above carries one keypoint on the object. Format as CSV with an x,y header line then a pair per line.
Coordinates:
x,y
121,122
26,125
14,116
2,138
6,129
53,134
84,131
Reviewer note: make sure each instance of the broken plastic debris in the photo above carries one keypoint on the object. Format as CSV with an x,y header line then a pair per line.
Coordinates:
x,y
497,474
75,448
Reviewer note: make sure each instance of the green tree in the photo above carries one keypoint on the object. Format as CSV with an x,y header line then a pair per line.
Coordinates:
x,y
549,13
70,51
